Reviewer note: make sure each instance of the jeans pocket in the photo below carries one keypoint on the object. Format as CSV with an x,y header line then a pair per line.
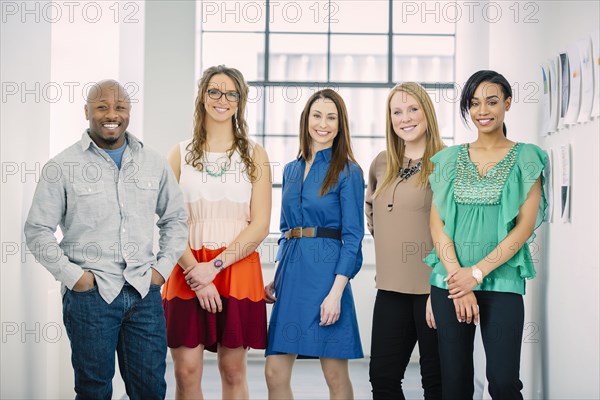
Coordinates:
x,y
65,310
91,290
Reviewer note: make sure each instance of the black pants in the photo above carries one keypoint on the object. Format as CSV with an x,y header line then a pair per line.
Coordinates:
x,y
501,317
398,323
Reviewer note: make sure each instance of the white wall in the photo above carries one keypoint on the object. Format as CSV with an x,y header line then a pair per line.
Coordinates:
x,y
561,347
25,118
169,85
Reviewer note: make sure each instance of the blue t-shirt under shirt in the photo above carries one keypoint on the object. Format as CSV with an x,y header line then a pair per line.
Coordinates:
x,y
117,154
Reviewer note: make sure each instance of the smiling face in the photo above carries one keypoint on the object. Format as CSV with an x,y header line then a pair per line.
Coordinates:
x,y
107,109
322,124
487,108
222,109
408,118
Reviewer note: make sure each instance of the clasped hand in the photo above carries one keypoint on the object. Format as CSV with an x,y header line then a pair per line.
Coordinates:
x,y
200,275
467,309
460,287
460,282
210,299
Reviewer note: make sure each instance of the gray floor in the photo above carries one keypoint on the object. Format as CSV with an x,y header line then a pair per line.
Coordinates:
x,y
307,380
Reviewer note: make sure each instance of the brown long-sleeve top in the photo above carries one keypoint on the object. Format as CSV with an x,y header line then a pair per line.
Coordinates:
x,y
401,231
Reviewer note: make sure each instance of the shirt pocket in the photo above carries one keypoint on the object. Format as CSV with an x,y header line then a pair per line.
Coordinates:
x,y
90,201
146,194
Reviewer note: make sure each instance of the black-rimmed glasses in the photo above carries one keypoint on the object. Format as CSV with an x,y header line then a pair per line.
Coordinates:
x,y
217,94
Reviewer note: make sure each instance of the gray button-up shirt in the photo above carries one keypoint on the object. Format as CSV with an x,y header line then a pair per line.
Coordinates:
x,y
107,217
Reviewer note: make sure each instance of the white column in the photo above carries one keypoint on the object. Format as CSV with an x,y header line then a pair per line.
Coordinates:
x,y
28,363
472,54
169,86
132,21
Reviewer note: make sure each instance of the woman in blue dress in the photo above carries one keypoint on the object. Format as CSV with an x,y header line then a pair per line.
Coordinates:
x,y
322,228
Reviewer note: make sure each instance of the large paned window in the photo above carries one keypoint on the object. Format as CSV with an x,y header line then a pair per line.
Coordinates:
x,y
287,50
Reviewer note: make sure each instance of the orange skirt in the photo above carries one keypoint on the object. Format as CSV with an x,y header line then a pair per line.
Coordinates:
x,y
241,323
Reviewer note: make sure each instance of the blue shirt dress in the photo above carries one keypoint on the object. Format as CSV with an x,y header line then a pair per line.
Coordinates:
x,y
308,266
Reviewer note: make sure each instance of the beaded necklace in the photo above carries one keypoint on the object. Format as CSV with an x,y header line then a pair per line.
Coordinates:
x,y
221,166
404,174
409,171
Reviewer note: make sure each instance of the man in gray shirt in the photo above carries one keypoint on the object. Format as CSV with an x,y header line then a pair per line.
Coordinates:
x,y
104,191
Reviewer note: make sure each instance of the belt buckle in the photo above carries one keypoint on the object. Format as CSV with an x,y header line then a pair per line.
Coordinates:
x,y
297,232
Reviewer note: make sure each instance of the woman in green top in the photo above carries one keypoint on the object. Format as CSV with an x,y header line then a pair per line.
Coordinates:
x,y
487,201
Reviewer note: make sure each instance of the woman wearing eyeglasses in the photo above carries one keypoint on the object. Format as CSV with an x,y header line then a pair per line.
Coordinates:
x,y
214,298
398,201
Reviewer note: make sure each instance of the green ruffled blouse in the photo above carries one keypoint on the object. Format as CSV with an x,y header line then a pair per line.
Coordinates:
x,y
478,212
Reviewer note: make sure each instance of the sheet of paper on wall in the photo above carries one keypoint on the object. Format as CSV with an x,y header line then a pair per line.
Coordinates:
x,y
545,130
548,185
563,88
584,46
596,63
564,158
554,88
574,85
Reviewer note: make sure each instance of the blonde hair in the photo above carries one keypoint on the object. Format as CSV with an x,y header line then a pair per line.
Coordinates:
x,y
395,145
241,143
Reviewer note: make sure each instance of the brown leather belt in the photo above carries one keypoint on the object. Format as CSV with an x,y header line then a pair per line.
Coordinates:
x,y
313,232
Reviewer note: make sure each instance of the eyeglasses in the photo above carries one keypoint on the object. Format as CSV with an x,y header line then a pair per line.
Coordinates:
x,y
217,94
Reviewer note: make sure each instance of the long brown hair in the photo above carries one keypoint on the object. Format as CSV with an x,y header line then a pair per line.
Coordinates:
x,y
241,143
395,145
341,152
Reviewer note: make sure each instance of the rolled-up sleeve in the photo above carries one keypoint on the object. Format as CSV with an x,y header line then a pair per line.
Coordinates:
x,y
352,197
46,212
172,223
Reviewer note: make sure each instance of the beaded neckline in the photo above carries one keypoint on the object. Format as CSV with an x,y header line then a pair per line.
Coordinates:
x,y
506,157
472,188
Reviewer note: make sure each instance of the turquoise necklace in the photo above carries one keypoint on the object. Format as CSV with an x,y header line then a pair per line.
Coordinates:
x,y
221,167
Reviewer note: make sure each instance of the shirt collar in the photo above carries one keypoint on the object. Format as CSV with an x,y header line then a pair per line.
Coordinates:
x,y
324,154
135,143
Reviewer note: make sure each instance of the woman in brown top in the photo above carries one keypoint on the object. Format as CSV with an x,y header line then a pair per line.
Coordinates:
x,y
398,201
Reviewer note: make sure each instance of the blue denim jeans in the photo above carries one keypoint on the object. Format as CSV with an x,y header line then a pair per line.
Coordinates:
x,y
131,326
